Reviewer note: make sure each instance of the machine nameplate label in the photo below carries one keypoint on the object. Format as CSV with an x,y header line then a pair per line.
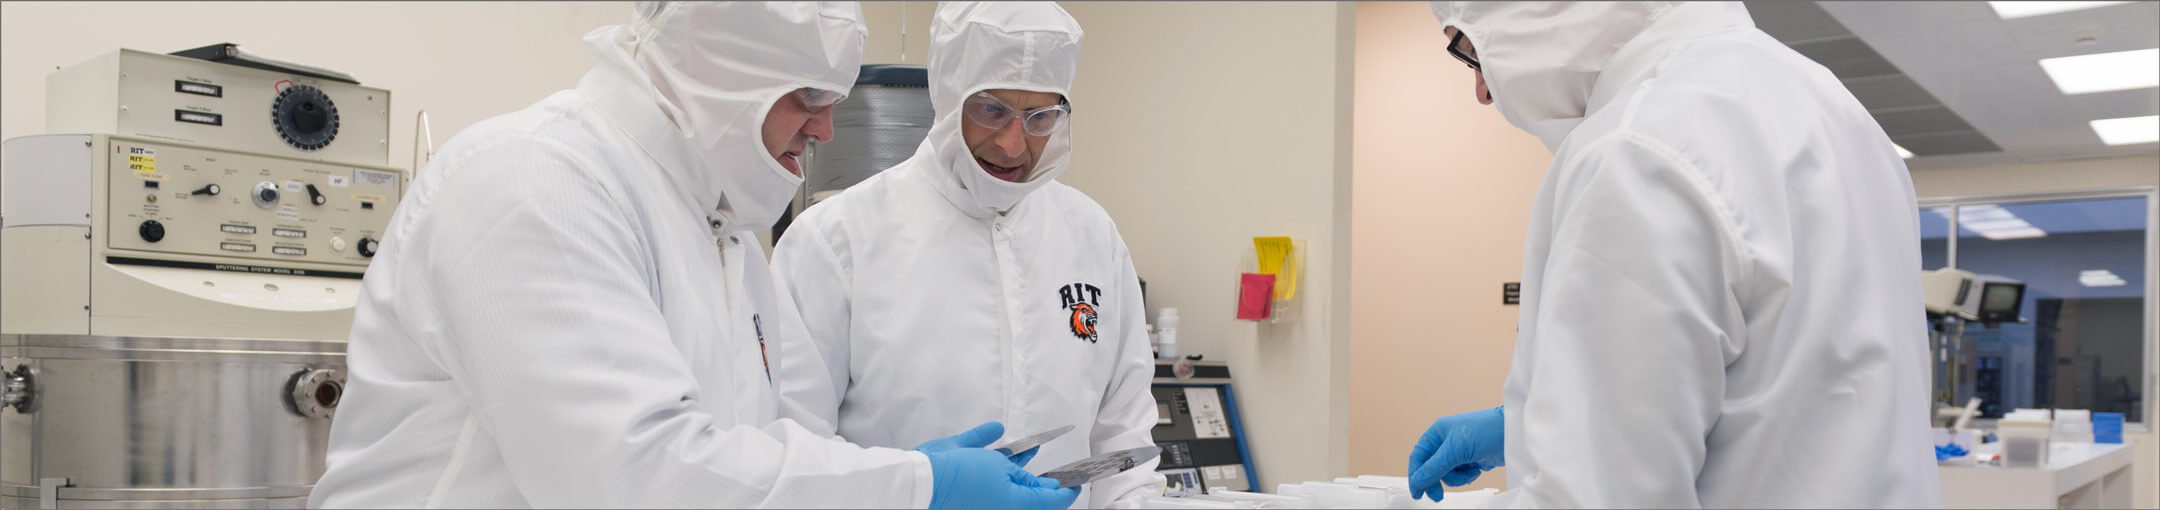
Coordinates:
x,y
238,268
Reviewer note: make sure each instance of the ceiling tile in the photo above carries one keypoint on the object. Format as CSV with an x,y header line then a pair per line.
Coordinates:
x,y
2109,105
1846,57
1959,86
2116,28
1977,159
2016,105
1791,21
1888,92
1936,119
1945,143
1847,69
1837,48
1871,17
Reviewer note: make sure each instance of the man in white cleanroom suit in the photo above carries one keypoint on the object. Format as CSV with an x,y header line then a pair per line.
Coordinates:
x,y
569,310
966,284
1721,280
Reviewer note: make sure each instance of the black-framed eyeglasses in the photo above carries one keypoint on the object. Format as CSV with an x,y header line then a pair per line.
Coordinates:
x,y
1455,47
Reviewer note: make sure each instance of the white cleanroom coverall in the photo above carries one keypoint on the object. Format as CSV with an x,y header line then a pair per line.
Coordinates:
x,y
569,309
938,297
1721,289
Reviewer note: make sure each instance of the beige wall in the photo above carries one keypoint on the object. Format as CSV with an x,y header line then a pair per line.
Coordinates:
x,y
1170,99
462,62
899,32
2059,176
1199,126
1442,193
1207,81
2072,176
1442,197
1172,104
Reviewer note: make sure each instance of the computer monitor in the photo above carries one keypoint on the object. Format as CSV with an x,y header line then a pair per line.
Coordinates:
x,y
2001,301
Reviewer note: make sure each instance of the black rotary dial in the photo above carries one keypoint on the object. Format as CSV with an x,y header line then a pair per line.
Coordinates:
x,y
304,117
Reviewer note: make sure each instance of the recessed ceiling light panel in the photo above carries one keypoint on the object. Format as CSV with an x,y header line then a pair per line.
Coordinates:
x,y
2104,72
2015,10
2128,130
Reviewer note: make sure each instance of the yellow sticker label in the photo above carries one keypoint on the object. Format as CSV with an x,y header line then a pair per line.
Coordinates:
x,y
141,163
145,175
366,197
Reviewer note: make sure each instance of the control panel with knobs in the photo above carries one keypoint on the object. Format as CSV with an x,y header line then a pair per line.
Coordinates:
x,y
290,213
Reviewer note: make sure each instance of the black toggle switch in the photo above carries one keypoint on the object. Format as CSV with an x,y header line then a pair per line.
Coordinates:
x,y
315,195
210,190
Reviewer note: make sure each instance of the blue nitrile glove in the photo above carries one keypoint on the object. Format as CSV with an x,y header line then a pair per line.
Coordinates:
x,y
1949,451
1455,450
979,478
978,437
1021,459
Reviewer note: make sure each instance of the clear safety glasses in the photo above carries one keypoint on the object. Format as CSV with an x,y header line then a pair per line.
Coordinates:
x,y
987,111
817,100
1460,48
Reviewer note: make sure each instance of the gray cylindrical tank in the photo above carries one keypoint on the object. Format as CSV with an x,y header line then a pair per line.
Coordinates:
x,y
884,118
886,115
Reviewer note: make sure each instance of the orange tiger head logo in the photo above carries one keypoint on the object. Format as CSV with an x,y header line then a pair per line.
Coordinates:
x,y
1083,321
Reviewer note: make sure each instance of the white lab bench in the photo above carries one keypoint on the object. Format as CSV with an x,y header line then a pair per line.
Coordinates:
x,y
2077,475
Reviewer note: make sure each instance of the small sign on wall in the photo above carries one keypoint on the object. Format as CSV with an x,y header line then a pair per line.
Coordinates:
x,y
1511,293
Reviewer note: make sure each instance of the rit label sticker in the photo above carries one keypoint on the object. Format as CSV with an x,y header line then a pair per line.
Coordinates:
x,y
1081,299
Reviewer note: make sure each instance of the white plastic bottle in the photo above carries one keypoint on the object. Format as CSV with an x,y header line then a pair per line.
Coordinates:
x,y
1166,323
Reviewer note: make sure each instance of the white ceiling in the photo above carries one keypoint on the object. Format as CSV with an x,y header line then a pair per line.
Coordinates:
x,y
1959,86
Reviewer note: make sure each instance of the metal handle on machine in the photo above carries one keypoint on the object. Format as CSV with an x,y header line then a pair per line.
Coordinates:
x,y
423,136
21,389
49,491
